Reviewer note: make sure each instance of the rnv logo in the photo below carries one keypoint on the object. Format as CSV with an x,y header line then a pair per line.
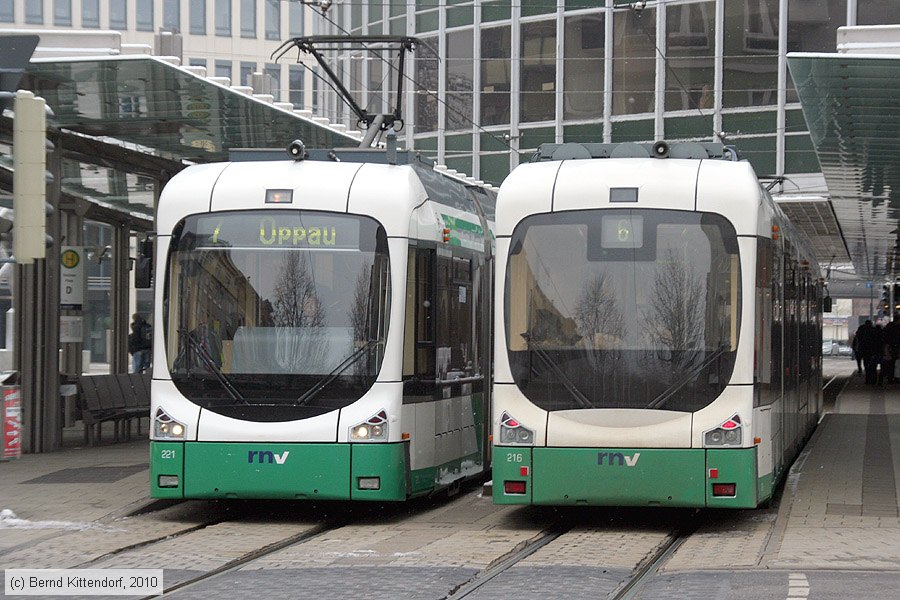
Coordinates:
x,y
617,459
262,456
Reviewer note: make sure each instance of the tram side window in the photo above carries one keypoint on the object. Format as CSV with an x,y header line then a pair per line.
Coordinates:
x,y
454,326
419,347
765,305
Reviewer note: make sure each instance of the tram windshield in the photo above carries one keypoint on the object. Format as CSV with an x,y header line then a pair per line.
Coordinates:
x,y
616,308
276,315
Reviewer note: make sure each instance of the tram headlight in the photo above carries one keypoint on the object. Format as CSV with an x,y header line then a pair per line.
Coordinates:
x,y
373,429
167,428
513,432
728,433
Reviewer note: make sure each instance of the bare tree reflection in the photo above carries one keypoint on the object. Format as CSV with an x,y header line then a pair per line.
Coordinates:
x,y
298,315
599,319
359,314
296,301
673,320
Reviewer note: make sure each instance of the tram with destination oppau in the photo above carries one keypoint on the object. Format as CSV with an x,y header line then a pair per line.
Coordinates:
x,y
657,330
322,328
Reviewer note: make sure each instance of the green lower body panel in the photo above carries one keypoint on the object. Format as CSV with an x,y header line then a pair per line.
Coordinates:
x,y
765,487
625,477
279,470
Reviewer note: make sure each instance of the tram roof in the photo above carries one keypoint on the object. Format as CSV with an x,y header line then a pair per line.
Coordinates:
x,y
851,103
142,115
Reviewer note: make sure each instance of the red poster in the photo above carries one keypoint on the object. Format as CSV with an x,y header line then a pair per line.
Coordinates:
x,y
12,423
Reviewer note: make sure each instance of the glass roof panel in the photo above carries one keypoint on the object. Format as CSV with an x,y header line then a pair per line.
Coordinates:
x,y
172,112
851,103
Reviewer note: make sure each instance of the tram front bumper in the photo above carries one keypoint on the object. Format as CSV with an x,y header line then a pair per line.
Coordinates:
x,y
626,477
278,470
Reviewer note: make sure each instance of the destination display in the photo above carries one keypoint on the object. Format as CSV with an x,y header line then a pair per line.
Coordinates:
x,y
282,229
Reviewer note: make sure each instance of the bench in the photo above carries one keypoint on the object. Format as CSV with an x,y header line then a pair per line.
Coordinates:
x,y
119,399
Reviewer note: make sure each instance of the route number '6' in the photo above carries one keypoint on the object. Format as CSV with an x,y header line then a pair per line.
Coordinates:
x,y
514,457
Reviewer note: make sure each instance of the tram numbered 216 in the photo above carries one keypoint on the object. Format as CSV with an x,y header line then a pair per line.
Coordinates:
x,y
657,330
321,329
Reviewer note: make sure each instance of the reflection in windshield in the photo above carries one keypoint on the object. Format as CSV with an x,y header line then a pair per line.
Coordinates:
x,y
672,320
622,309
277,309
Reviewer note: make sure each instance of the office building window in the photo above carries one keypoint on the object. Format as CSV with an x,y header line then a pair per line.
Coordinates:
x,y
538,74
460,79
583,67
273,71
877,12
118,14
62,13
172,15
495,75
378,64
247,69
34,12
634,61
273,20
248,18
427,66
315,91
812,27
296,19
750,77
691,49
295,85
90,14
223,18
223,68
198,17
7,11
197,62
144,15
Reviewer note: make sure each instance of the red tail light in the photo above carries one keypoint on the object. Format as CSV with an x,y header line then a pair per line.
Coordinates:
x,y
724,489
515,487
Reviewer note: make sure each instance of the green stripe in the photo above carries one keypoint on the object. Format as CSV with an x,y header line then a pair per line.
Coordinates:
x,y
625,476
281,471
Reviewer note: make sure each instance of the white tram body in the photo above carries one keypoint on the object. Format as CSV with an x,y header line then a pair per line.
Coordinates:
x,y
657,331
299,350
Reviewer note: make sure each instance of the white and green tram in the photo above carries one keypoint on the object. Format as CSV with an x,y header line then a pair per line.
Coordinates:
x,y
658,328
321,329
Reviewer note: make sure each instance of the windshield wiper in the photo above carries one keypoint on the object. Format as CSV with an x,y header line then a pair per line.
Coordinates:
x,y
688,377
334,374
541,353
211,365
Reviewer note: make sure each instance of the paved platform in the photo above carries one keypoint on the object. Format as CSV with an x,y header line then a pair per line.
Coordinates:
x,y
838,514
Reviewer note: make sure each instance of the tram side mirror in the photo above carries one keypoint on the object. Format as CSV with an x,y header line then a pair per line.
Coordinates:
x,y
143,266
826,304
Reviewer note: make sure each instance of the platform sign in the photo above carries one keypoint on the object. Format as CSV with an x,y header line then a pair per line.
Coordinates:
x,y
71,329
71,277
12,422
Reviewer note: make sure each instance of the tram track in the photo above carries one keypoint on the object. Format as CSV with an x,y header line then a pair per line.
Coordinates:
x,y
649,567
627,590
248,557
507,561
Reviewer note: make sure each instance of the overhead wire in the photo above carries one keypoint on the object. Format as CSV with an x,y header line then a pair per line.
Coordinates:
x,y
423,89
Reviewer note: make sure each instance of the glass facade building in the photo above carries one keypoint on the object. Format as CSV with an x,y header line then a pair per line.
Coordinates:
x,y
496,78
506,76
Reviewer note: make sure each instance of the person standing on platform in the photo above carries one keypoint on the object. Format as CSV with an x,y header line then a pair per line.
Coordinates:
x,y
854,347
868,343
891,349
140,343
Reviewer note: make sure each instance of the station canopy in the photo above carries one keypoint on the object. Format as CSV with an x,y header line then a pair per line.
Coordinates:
x,y
147,118
851,103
